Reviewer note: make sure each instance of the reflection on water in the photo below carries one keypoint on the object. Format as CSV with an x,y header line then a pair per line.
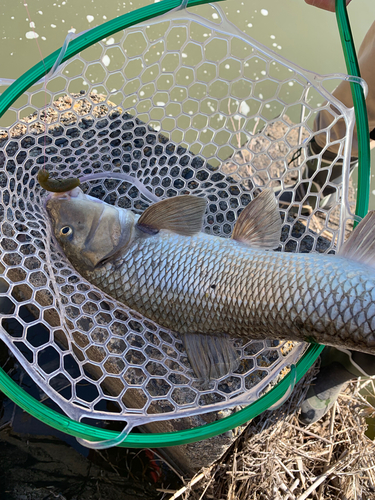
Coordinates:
x,y
304,35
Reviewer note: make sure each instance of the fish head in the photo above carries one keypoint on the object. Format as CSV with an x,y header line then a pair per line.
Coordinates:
x,y
89,231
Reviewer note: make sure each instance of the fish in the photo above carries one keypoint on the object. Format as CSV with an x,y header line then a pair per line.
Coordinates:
x,y
212,290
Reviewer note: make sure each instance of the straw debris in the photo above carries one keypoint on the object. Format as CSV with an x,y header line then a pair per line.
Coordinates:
x,y
277,458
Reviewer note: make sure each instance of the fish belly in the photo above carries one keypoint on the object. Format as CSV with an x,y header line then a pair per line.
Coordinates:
x,y
210,285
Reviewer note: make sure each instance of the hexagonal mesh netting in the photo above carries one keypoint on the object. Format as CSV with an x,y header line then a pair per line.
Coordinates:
x,y
183,104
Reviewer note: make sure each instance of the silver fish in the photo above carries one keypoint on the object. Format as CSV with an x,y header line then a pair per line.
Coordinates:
x,y
211,289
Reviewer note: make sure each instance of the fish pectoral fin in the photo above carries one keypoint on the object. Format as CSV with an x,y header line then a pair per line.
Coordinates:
x,y
211,356
360,246
180,214
259,224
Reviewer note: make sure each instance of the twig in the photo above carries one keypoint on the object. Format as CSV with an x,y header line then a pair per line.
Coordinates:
x,y
331,430
322,477
284,467
305,455
284,488
191,483
300,469
208,484
309,433
234,471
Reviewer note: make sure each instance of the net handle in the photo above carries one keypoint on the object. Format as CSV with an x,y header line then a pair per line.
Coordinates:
x,y
60,422
360,110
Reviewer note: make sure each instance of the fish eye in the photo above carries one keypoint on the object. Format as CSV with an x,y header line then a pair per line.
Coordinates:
x,y
66,231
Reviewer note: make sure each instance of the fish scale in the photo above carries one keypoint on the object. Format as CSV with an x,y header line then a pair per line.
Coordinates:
x,y
256,293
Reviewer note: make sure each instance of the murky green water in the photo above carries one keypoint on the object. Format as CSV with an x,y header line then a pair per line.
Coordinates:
x,y
305,35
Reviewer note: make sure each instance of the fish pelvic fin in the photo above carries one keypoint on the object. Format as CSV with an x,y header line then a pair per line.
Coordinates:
x,y
259,224
211,356
360,246
180,214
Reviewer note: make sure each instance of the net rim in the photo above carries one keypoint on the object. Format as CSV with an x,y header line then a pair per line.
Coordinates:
x,y
156,440
85,431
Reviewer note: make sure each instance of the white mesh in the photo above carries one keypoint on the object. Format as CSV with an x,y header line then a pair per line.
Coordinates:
x,y
184,106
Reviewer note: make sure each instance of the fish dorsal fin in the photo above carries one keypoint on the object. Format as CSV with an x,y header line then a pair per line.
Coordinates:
x,y
360,245
211,356
180,214
259,224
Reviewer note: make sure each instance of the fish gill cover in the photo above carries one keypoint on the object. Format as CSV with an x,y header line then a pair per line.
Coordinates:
x,y
184,105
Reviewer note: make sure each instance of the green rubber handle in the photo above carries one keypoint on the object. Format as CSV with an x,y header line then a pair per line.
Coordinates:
x,y
352,67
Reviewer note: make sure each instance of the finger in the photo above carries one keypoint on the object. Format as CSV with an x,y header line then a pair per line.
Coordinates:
x,y
324,4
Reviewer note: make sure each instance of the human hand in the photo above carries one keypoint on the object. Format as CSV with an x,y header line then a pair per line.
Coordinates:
x,y
325,4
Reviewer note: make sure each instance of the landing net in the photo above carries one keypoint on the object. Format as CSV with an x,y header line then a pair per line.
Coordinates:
x,y
183,104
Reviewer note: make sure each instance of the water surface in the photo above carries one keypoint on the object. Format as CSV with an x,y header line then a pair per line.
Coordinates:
x,y
303,34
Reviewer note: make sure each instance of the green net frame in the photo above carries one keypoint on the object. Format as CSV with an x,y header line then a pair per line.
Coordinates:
x,y
87,432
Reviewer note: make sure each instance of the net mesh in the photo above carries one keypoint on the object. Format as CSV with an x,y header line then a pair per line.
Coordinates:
x,y
183,104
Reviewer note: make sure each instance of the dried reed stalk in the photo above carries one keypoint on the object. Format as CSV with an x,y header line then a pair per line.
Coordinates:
x,y
277,458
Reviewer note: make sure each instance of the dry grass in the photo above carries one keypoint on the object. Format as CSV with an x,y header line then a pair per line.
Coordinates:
x,y
277,458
